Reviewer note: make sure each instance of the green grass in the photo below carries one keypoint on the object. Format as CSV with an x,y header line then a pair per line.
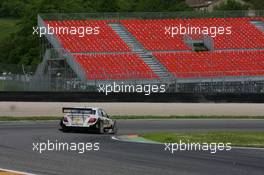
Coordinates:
x,y
127,117
238,138
7,26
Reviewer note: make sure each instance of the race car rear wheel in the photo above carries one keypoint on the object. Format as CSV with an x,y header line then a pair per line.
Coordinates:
x,y
64,128
113,129
101,127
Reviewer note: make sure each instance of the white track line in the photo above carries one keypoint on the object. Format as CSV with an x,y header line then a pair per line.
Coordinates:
x,y
117,139
18,172
114,138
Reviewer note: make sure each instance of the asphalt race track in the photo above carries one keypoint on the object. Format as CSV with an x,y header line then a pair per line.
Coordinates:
x,y
121,158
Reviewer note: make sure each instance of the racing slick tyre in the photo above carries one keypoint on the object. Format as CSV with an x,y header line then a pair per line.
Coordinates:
x,y
101,127
113,130
64,128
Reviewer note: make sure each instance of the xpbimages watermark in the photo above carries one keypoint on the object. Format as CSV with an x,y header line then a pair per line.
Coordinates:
x,y
147,89
187,146
51,146
80,31
212,31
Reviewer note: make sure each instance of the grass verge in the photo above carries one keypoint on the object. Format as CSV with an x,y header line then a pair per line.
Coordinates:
x,y
125,117
238,138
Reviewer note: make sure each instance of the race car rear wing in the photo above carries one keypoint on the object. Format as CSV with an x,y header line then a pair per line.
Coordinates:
x,y
77,110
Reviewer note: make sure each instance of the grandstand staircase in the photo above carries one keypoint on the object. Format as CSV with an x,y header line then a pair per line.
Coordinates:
x,y
145,55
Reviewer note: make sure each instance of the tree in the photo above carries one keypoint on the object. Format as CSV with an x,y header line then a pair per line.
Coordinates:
x,y
256,4
161,5
12,8
231,5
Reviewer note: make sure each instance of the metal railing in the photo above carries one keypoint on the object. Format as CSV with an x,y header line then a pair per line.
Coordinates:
x,y
247,81
15,77
152,15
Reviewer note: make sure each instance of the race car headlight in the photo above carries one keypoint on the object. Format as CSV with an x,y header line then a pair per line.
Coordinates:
x,y
92,120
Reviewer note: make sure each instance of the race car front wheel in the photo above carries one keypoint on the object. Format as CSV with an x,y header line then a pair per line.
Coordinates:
x,y
114,128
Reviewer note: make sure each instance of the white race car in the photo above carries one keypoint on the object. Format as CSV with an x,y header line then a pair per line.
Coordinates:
x,y
87,118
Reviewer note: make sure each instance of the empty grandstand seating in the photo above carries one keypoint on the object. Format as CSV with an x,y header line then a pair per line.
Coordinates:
x,y
213,64
151,33
237,54
106,41
114,66
244,34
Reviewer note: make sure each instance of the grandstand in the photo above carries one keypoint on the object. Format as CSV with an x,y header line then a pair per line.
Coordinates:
x,y
136,50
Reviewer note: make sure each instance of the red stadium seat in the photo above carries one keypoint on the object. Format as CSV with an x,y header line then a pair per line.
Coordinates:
x,y
106,41
151,33
213,64
114,66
